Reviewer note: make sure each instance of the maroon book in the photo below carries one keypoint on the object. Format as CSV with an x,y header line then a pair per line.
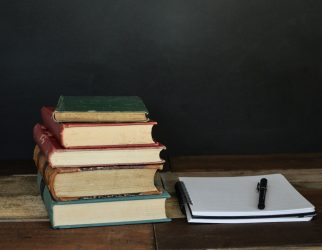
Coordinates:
x,y
58,156
87,135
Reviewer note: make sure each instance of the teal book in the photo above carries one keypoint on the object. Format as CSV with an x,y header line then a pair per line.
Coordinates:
x,y
104,211
100,109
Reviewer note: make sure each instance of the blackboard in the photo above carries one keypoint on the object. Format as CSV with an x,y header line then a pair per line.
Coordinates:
x,y
220,76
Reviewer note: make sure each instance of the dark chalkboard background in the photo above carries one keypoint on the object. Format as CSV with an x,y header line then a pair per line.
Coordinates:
x,y
220,76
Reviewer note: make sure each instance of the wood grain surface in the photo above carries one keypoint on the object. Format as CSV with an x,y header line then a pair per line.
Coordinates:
x,y
303,170
20,199
39,235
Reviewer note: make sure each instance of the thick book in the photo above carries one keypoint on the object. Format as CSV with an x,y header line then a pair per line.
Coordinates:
x,y
236,200
90,182
73,135
59,156
104,211
100,109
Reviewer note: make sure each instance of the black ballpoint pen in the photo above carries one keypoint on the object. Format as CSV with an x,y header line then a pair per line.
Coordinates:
x,y
261,188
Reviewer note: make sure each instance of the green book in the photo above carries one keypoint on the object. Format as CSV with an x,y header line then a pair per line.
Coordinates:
x,y
100,109
105,211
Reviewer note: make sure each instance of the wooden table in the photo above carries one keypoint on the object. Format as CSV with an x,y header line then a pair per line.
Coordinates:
x,y
303,170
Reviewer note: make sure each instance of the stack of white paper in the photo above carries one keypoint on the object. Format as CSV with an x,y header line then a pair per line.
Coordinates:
x,y
235,200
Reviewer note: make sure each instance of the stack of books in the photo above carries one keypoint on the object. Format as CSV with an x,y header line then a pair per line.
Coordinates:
x,y
97,162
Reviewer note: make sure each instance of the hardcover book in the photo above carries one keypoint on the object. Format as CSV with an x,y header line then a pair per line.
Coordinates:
x,y
102,156
79,182
100,109
105,211
72,135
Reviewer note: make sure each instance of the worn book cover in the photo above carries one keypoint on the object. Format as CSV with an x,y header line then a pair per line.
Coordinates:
x,y
77,182
104,211
100,109
59,156
73,135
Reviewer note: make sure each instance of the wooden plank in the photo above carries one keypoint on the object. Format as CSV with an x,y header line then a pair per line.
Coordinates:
x,y
20,199
172,208
214,236
302,169
246,162
39,235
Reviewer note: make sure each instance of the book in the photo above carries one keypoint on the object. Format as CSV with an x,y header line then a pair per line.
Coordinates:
x,y
59,156
104,211
235,200
72,135
100,109
89,182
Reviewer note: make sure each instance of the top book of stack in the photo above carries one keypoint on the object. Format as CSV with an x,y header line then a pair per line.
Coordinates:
x,y
98,109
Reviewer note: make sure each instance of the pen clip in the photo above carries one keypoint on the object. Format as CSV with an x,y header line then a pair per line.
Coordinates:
x,y
259,187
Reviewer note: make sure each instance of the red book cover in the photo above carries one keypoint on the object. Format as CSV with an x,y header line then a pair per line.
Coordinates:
x,y
49,146
57,129
45,140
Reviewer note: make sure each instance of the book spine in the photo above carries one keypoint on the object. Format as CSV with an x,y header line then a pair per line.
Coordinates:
x,y
54,127
36,152
43,141
47,173
38,159
59,104
46,197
